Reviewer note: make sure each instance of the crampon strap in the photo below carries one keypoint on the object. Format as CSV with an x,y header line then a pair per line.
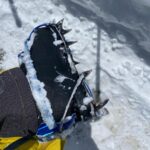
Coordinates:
x,y
44,133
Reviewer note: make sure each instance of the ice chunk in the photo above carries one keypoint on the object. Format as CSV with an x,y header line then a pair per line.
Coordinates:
x,y
57,42
87,100
60,78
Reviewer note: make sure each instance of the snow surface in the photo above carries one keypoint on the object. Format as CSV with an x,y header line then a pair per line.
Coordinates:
x,y
125,65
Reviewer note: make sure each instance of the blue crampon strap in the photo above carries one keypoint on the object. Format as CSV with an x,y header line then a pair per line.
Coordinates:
x,y
43,130
34,29
87,88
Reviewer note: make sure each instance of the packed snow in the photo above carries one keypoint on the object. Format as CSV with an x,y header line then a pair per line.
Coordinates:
x,y
37,87
124,62
87,100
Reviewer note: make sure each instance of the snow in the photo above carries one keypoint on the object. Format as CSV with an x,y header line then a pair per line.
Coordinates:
x,y
83,107
58,42
60,78
73,69
37,88
125,67
87,100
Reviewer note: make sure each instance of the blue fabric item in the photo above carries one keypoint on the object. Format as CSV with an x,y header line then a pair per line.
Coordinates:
x,y
43,129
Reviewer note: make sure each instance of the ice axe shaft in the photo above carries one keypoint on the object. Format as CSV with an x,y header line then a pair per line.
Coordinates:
x,y
97,91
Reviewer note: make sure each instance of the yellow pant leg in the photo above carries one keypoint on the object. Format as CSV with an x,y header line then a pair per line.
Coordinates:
x,y
4,142
56,144
33,144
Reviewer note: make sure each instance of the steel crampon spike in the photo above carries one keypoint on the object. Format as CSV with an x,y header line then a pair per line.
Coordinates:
x,y
86,73
69,43
76,63
59,24
62,45
65,31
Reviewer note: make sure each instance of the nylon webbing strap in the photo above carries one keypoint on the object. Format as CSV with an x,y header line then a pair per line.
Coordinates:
x,y
44,131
